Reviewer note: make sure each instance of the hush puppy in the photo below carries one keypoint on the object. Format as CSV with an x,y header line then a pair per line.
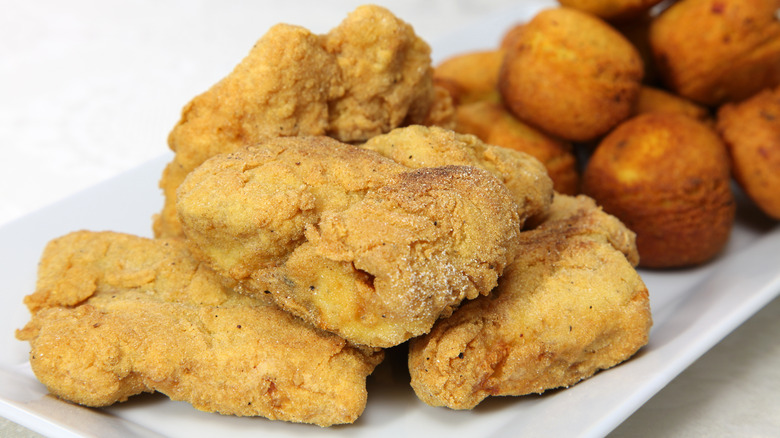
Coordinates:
x,y
472,76
653,99
751,130
666,176
570,74
714,51
612,9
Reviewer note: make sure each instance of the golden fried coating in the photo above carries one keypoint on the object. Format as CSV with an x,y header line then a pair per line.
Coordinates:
x,y
472,76
115,315
666,176
751,130
442,111
386,72
368,75
493,124
612,9
569,305
420,146
717,51
509,39
347,239
570,74
268,195
652,99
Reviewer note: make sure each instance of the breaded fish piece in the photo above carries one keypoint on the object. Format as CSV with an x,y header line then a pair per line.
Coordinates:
x,y
421,146
366,76
347,239
569,305
115,315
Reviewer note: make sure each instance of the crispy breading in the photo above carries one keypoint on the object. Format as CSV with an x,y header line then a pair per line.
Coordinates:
x,y
421,146
387,74
569,305
366,76
347,239
114,315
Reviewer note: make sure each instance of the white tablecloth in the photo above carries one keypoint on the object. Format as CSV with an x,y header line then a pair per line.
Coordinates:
x,y
89,89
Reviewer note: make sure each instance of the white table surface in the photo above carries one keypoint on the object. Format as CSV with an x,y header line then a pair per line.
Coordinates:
x,y
89,89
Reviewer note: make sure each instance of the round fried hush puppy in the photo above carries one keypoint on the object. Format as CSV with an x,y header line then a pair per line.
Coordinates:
x,y
493,124
421,146
347,239
368,75
666,176
717,51
612,9
470,76
570,74
751,130
653,99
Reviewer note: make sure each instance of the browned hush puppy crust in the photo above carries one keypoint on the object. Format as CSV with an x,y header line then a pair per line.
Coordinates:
x,y
115,315
366,76
347,239
618,10
714,52
751,130
471,77
667,177
569,305
657,100
570,74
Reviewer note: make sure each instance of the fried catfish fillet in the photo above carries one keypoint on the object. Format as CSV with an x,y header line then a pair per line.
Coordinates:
x,y
366,76
116,315
421,146
569,305
347,239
